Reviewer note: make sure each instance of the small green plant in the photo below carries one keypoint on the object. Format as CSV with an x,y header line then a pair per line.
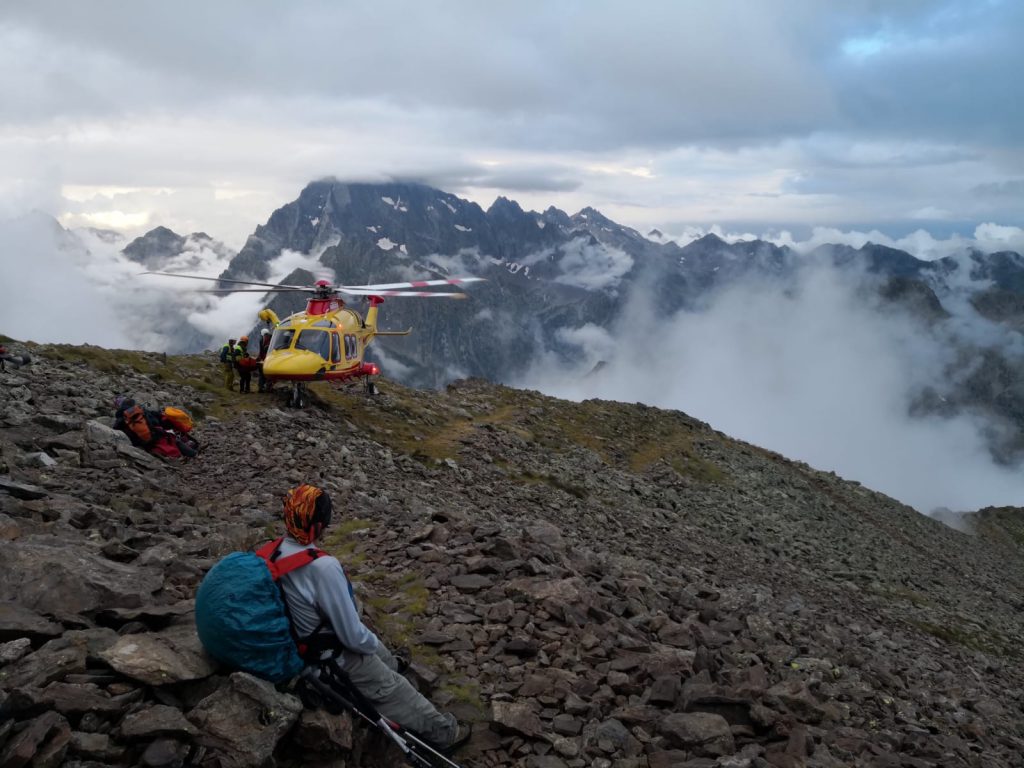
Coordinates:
x,y
986,642
466,693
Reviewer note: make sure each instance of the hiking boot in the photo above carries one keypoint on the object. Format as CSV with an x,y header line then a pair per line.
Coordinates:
x,y
403,658
462,737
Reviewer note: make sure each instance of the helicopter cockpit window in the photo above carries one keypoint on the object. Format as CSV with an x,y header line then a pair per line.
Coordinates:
x,y
282,339
351,347
315,341
335,349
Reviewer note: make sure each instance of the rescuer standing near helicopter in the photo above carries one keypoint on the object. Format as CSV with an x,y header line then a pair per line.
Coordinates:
x,y
245,365
263,385
229,354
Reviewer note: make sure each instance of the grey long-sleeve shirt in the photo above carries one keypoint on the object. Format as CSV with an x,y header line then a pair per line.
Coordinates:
x,y
320,591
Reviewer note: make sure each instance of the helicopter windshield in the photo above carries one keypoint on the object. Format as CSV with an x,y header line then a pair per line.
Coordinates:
x,y
315,341
282,339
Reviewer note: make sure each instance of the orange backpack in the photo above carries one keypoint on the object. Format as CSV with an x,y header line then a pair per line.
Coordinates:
x,y
177,419
135,421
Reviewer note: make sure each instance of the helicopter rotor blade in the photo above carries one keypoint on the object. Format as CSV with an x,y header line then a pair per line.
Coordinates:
x,y
226,280
251,290
413,284
422,294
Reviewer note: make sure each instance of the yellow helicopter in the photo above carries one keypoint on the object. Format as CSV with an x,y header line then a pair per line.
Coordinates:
x,y
328,340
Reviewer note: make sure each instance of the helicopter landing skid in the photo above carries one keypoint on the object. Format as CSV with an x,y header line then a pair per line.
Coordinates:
x,y
370,387
298,397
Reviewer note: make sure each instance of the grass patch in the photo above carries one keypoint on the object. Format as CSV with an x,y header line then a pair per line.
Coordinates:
x,y
1001,525
415,423
340,542
200,372
467,693
533,478
630,437
986,642
396,615
902,593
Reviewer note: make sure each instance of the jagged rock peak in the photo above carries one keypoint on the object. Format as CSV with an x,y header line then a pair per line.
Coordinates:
x,y
709,239
156,244
503,206
593,216
557,216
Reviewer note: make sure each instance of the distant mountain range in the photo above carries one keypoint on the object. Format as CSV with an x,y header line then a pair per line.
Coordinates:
x,y
550,272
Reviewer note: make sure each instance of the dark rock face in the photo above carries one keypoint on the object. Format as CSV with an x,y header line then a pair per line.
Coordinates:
x,y
589,584
158,247
154,247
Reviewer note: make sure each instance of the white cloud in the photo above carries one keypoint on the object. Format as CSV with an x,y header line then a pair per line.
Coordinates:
x,y
43,271
592,265
988,237
781,129
236,313
110,303
814,373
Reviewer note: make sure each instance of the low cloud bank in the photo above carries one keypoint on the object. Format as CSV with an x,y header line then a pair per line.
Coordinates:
x,y
816,372
45,294
988,237
76,287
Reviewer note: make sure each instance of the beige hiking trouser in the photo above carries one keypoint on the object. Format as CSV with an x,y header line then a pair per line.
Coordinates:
x,y
395,698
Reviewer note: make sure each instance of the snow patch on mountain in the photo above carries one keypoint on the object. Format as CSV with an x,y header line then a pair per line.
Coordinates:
x,y
396,204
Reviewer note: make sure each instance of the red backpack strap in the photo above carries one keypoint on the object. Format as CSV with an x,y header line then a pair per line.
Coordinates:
x,y
281,567
267,550
285,565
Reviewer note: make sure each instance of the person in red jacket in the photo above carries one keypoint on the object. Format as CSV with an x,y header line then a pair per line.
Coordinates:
x,y
245,365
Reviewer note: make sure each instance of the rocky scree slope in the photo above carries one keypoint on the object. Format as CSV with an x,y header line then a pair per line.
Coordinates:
x,y
592,584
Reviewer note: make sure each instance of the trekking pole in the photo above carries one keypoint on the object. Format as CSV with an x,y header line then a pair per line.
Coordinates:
x,y
352,699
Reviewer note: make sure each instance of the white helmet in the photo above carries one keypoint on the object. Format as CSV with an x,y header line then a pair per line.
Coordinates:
x,y
265,332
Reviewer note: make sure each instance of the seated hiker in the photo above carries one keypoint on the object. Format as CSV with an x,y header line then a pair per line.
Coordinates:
x,y
324,615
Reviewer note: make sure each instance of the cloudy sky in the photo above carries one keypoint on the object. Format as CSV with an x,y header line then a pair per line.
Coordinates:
x,y
852,114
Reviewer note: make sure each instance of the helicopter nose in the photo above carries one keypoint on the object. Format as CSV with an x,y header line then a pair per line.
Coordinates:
x,y
292,362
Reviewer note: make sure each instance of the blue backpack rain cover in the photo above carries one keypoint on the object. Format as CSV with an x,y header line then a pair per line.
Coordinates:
x,y
241,616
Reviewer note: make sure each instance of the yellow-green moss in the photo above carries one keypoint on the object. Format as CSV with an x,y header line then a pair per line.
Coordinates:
x,y
984,641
